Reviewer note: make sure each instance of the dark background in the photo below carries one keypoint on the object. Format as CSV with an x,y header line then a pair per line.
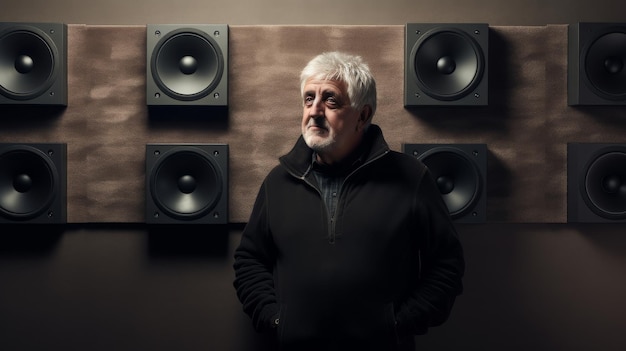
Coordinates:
x,y
116,286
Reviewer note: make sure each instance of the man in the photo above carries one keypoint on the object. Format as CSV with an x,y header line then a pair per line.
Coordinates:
x,y
349,245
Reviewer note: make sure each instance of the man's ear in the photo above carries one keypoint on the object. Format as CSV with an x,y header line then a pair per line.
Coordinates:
x,y
366,115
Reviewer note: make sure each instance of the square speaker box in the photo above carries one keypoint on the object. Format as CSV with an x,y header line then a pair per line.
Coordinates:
x,y
33,181
187,65
186,183
33,64
596,58
596,182
460,171
446,64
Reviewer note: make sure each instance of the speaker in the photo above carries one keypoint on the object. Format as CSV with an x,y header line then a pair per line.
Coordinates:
x,y
187,65
446,64
187,183
33,180
460,171
596,58
33,64
596,182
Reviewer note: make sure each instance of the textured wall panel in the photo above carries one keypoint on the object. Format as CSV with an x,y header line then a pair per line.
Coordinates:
x,y
106,124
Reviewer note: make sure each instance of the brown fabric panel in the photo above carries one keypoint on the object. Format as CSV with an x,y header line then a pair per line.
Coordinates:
x,y
555,181
265,109
107,124
108,93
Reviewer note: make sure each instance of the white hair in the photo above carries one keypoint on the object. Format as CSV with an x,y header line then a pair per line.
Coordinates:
x,y
351,70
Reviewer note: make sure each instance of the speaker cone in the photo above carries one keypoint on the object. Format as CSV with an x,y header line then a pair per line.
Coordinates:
x,y
457,177
27,62
604,185
187,64
185,184
603,61
27,182
447,63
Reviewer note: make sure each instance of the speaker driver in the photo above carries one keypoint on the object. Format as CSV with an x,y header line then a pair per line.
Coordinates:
x,y
447,63
604,61
605,185
27,182
187,64
27,62
186,184
456,176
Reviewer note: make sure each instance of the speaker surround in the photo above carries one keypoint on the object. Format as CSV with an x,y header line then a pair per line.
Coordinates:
x,y
33,181
187,183
446,64
33,64
187,65
596,60
460,171
596,182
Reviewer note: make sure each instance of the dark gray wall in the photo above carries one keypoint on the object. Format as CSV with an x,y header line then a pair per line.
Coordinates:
x,y
494,12
118,287
528,287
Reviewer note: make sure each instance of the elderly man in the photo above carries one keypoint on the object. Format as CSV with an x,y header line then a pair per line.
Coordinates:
x,y
349,245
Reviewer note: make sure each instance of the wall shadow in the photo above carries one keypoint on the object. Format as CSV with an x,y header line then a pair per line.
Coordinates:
x,y
29,118
30,240
184,241
499,188
188,117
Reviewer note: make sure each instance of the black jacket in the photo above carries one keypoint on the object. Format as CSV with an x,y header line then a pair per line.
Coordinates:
x,y
388,267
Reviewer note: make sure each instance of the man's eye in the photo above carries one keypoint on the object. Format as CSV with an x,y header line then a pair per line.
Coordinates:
x,y
308,100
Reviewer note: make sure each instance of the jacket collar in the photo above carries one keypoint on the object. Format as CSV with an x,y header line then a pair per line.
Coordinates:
x,y
298,160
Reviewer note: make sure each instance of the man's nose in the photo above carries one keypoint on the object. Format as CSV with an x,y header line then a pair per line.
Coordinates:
x,y
317,108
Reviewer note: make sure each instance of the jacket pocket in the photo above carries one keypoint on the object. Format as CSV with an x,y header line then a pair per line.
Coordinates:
x,y
391,323
282,323
298,328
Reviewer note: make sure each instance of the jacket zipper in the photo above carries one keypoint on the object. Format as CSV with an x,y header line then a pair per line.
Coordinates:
x,y
340,192
329,217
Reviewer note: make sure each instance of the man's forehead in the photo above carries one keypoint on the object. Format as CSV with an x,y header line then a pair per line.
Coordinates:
x,y
315,84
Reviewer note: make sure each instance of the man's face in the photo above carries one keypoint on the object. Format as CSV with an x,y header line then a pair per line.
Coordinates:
x,y
330,125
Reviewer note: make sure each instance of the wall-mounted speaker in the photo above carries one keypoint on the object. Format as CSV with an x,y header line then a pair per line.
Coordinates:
x,y
33,180
33,64
460,171
596,59
446,64
187,183
187,65
596,182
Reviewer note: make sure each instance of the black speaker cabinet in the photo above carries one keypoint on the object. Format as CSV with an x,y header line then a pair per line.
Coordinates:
x,y
33,180
187,183
446,64
460,171
187,65
596,58
33,64
596,182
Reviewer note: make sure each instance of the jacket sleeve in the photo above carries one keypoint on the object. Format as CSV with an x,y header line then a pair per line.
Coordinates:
x,y
254,263
441,264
